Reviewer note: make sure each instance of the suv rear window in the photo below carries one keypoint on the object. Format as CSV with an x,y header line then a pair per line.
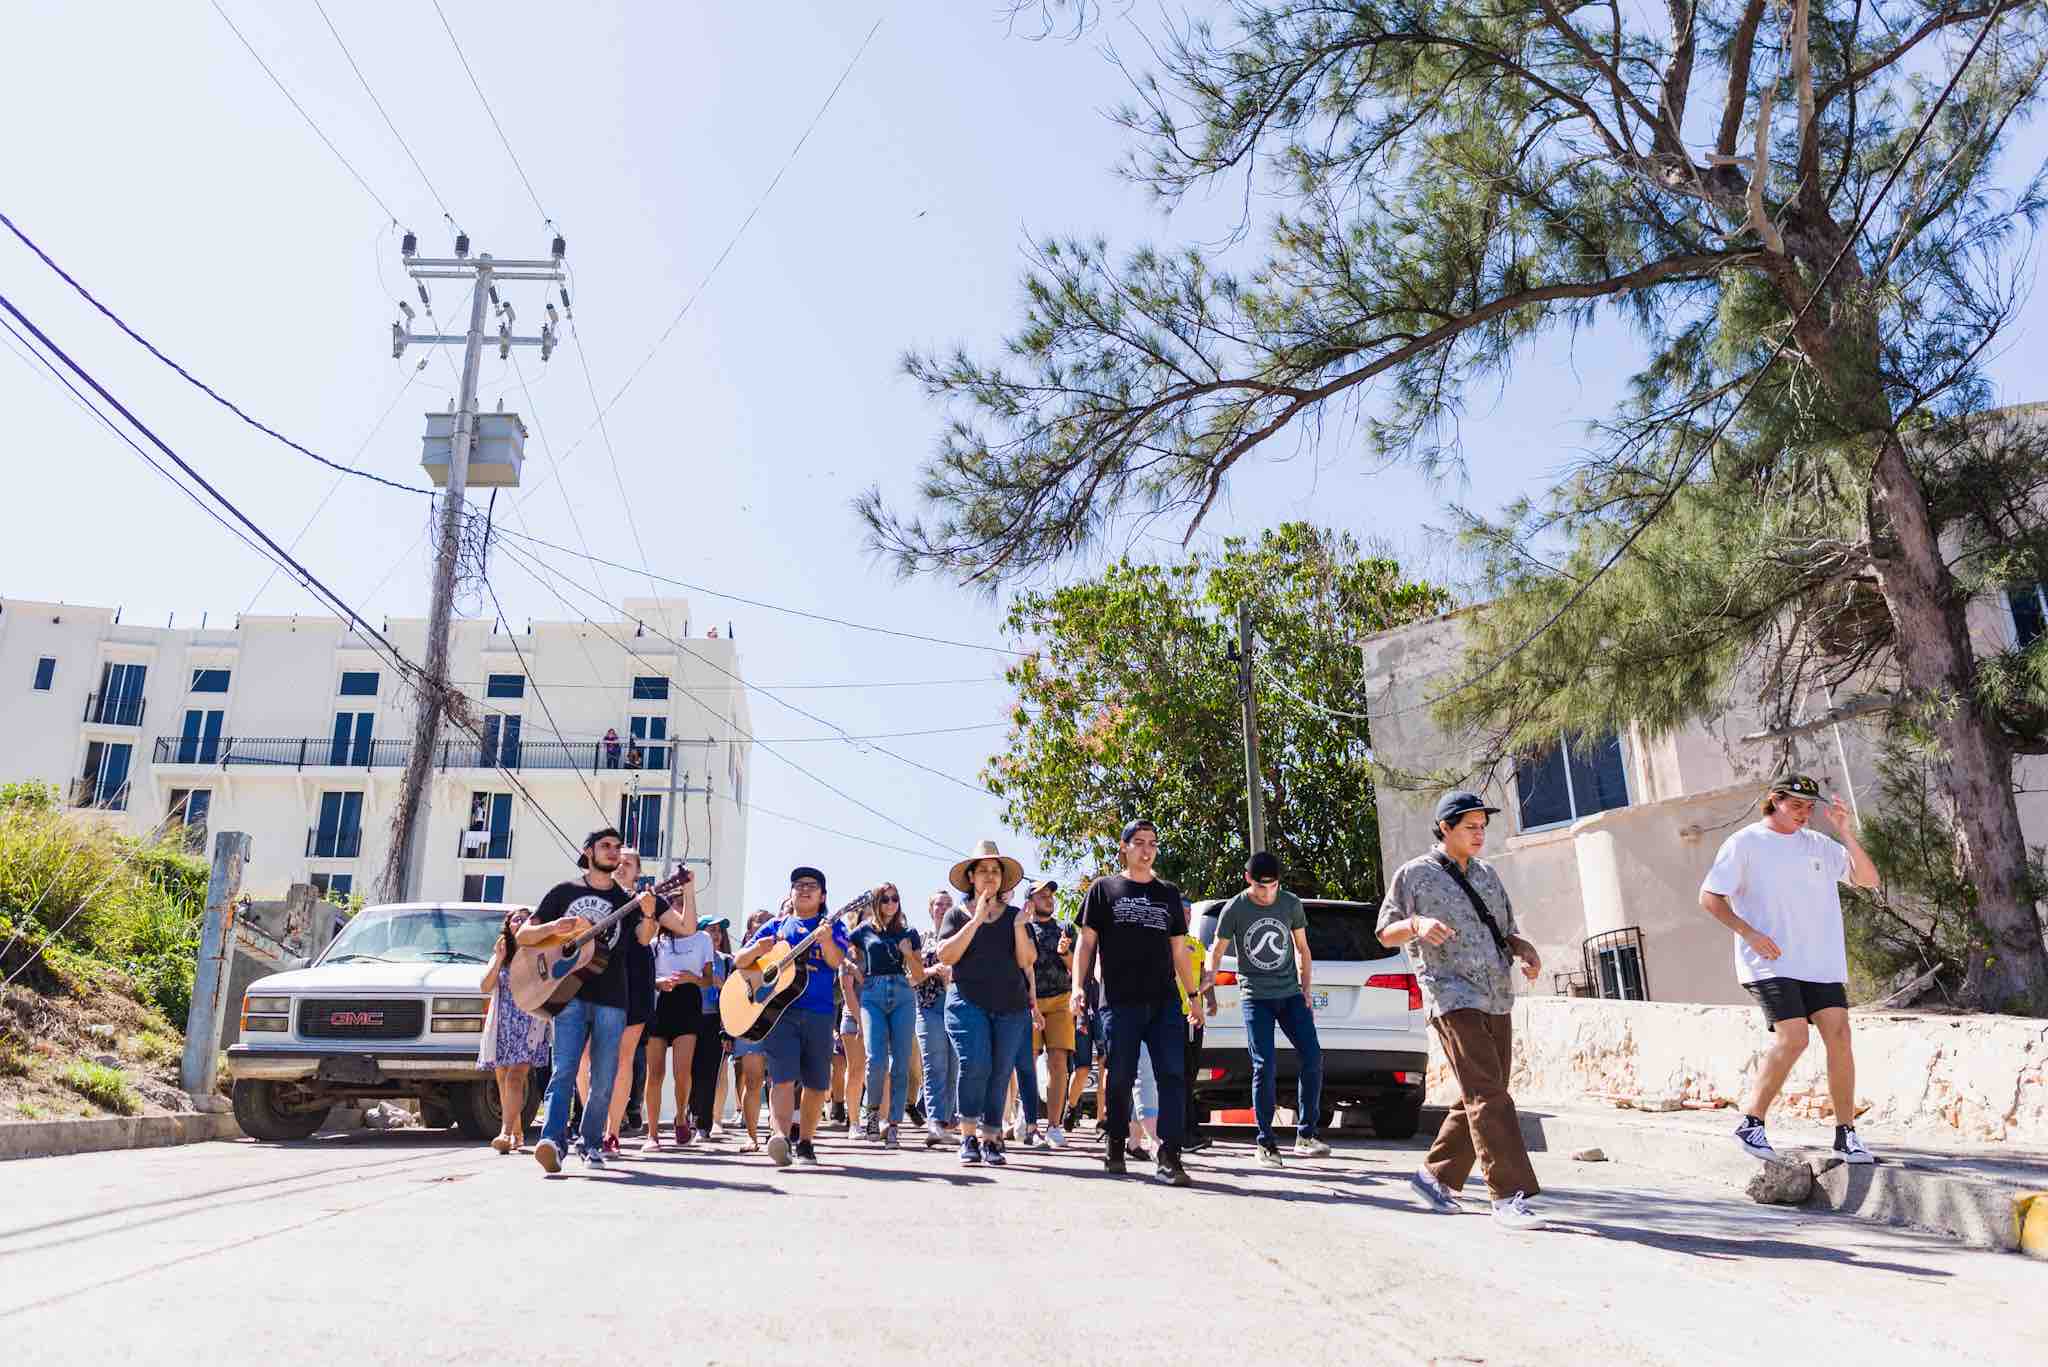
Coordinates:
x,y
1342,930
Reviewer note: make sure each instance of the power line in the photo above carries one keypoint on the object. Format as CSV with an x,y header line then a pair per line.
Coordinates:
x,y
772,607
542,699
828,830
1784,343
329,142
192,379
691,302
382,114
473,85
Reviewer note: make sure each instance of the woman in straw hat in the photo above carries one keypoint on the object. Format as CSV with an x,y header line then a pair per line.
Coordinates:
x,y
988,1006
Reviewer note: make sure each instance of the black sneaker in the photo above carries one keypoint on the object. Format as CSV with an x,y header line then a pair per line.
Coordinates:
x,y
806,1154
1169,1172
1113,1160
1073,1120
1195,1143
630,1121
992,1153
1138,1152
1750,1135
970,1151
914,1112
838,1113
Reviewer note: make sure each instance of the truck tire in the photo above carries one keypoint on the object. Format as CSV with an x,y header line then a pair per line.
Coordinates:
x,y
1398,1117
435,1113
262,1114
478,1112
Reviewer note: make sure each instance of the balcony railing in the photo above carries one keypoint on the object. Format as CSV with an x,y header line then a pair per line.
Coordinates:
x,y
300,752
333,844
484,845
102,710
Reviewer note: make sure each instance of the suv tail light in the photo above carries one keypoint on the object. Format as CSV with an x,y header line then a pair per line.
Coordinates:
x,y
1400,982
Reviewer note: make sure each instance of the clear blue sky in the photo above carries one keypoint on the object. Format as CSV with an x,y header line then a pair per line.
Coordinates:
x,y
161,166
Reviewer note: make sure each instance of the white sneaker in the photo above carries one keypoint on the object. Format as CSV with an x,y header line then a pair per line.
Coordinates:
x,y
1514,1213
1306,1147
1269,1156
1055,1137
1433,1193
778,1150
1751,1137
1851,1148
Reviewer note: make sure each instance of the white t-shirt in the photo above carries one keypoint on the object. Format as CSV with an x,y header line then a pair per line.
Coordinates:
x,y
1785,886
681,953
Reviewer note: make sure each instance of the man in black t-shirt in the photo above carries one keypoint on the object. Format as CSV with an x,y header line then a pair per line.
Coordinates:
x,y
596,1016
1138,926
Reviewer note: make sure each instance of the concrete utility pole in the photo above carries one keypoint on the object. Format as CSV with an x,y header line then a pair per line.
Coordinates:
x,y
677,793
1247,697
200,1068
407,856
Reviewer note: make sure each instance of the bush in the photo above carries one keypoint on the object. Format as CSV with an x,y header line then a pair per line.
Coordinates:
x,y
101,1085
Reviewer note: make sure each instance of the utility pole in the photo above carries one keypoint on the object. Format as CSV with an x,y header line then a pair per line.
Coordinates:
x,y
1247,697
407,858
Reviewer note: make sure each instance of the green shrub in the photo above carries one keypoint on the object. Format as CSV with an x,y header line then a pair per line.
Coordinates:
x,y
101,1085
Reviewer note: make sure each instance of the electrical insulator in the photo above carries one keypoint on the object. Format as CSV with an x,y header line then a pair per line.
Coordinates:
x,y
421,285
462,244
561,247
409,244
565,296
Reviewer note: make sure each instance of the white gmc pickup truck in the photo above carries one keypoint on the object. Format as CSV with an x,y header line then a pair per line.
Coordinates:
x,y
394,1008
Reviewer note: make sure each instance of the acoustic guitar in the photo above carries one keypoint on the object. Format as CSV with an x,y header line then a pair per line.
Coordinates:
x,y
754,998
546,977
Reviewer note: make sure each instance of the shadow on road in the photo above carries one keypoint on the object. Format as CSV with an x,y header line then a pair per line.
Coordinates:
x,y
1719,1231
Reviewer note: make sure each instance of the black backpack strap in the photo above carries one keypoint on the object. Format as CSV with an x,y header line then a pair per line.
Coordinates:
x,y
1500,941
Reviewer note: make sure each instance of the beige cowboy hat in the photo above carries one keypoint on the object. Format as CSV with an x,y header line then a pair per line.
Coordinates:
x,y
1013,872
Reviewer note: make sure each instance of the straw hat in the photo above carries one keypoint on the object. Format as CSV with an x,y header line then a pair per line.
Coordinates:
x,y
1013,872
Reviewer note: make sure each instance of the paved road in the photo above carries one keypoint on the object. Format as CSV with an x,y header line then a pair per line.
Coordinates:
x,y
411,1248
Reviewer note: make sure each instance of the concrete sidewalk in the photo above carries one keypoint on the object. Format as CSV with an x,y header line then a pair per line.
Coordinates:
x,y
1972,1193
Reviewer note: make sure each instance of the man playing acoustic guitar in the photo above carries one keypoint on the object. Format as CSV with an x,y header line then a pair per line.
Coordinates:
x,y
800,1044
597,1015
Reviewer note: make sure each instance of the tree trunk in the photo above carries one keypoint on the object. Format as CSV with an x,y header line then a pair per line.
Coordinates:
x,y
2009,972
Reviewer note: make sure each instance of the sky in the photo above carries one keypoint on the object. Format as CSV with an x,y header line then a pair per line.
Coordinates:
x,y
168,173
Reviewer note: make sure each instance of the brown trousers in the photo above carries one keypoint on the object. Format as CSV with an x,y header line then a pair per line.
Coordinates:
x,y
1482,1124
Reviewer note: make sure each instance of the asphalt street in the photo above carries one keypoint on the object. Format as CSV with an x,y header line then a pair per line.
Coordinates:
x,y
414,1248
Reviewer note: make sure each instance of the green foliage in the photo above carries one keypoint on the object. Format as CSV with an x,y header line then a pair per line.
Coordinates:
x,y
32,793
110,900
1129,707
101,1085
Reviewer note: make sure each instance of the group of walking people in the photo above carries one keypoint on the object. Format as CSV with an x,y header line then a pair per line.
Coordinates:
x,y
946,1026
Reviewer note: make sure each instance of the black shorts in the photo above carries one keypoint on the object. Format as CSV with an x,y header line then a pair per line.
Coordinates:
x,y
1791,999
678,1013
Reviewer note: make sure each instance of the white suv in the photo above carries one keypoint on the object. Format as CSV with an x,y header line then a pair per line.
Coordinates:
x,y
394,1008
1368,1010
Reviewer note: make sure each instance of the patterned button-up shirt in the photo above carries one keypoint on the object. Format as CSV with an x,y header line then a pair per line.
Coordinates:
x,y
1467,972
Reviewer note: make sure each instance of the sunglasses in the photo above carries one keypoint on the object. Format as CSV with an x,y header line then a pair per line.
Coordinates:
x,y
888,897
806,885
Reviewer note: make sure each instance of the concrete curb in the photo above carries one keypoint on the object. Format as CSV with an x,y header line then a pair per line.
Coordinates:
x,y
1979,1212
52,1138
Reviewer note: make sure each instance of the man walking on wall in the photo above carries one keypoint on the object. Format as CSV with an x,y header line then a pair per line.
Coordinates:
x,y
1774,884
1450,909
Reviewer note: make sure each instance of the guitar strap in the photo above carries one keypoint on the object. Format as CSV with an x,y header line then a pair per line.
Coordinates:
x,y
1500,941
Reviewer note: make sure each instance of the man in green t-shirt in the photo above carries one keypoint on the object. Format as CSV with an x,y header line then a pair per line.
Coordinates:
x,y
1270,929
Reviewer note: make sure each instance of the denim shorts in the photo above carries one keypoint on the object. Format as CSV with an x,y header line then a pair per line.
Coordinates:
x,y
799,1049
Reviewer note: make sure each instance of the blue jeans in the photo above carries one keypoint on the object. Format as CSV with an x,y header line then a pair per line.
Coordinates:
x,y
1299,1022
1027,1074
887,1009
1162,1031
987,1044
941,1066
601,1027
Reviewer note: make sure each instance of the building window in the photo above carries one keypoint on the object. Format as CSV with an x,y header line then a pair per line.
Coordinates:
x,y
333,887
352,738
359,683
186,816
104,781
1574,778
483,887
489,832
46,672
119,701
651,687
209,681
647,735
199,742
501,741
505,686
640,819
2029,606
1614,962
340,832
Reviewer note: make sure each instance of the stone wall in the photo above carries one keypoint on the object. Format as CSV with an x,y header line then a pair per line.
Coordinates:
x,y
1970,1079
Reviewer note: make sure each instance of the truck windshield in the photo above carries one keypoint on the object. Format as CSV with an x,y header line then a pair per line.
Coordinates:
x,y
417,935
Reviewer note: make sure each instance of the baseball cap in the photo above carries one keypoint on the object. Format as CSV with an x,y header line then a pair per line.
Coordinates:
x,y
1133,827
1796,785
1457,802
1263,865
583,859
806,871
1042,884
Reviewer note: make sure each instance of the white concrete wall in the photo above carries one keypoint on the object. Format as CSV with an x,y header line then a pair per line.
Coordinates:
x,y
284,675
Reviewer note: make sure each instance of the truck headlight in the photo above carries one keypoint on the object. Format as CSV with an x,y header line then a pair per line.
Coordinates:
x,y
266,1006
460,1006
458,1025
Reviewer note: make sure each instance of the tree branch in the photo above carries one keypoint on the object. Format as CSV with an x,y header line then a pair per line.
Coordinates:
x,y
1741,49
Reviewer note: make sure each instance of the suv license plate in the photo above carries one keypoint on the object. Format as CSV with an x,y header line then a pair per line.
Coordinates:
x,y
1319,1001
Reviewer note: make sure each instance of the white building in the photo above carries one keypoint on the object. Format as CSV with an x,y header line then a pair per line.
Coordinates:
x,y
295,730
